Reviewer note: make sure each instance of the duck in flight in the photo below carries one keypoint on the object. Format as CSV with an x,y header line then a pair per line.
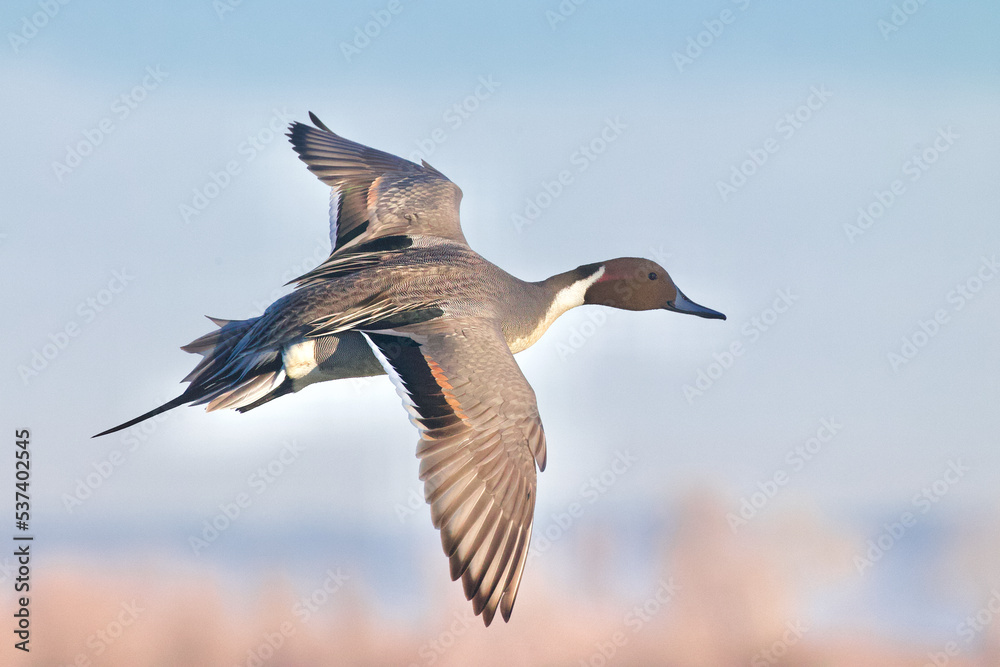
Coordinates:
x,y
403,293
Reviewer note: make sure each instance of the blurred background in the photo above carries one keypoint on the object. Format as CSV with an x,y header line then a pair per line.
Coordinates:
x,y
814,481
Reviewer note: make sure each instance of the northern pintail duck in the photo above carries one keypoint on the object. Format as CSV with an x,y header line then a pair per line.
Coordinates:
x,y
403,291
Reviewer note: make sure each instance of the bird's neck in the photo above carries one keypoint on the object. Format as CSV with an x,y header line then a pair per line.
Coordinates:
x,y
547,300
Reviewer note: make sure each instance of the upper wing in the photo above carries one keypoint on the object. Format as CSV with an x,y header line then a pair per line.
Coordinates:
x,y
480,438
376,194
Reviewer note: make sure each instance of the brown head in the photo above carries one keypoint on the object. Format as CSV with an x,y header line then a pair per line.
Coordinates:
x,y
634,283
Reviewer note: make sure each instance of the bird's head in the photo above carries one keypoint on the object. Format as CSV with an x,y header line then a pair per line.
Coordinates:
x,y
634,283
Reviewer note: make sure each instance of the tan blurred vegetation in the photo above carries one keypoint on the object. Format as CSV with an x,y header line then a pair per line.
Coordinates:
x,y
738,595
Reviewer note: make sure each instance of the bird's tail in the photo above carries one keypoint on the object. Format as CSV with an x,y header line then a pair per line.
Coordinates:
x,y
227,376
169,405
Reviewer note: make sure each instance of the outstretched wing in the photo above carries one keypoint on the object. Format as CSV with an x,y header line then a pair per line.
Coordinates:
x,y
480,441
376,194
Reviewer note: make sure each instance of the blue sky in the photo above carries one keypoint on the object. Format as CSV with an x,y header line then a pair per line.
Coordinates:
x,y
655,190
225,83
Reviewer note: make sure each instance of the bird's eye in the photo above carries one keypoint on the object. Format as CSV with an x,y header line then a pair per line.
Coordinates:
x,y
652,275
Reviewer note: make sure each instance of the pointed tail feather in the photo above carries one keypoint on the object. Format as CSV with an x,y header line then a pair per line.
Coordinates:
x,y
225,377
169,405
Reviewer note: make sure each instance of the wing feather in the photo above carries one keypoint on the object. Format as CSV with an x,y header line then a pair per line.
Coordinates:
x,y
375,193
481,443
